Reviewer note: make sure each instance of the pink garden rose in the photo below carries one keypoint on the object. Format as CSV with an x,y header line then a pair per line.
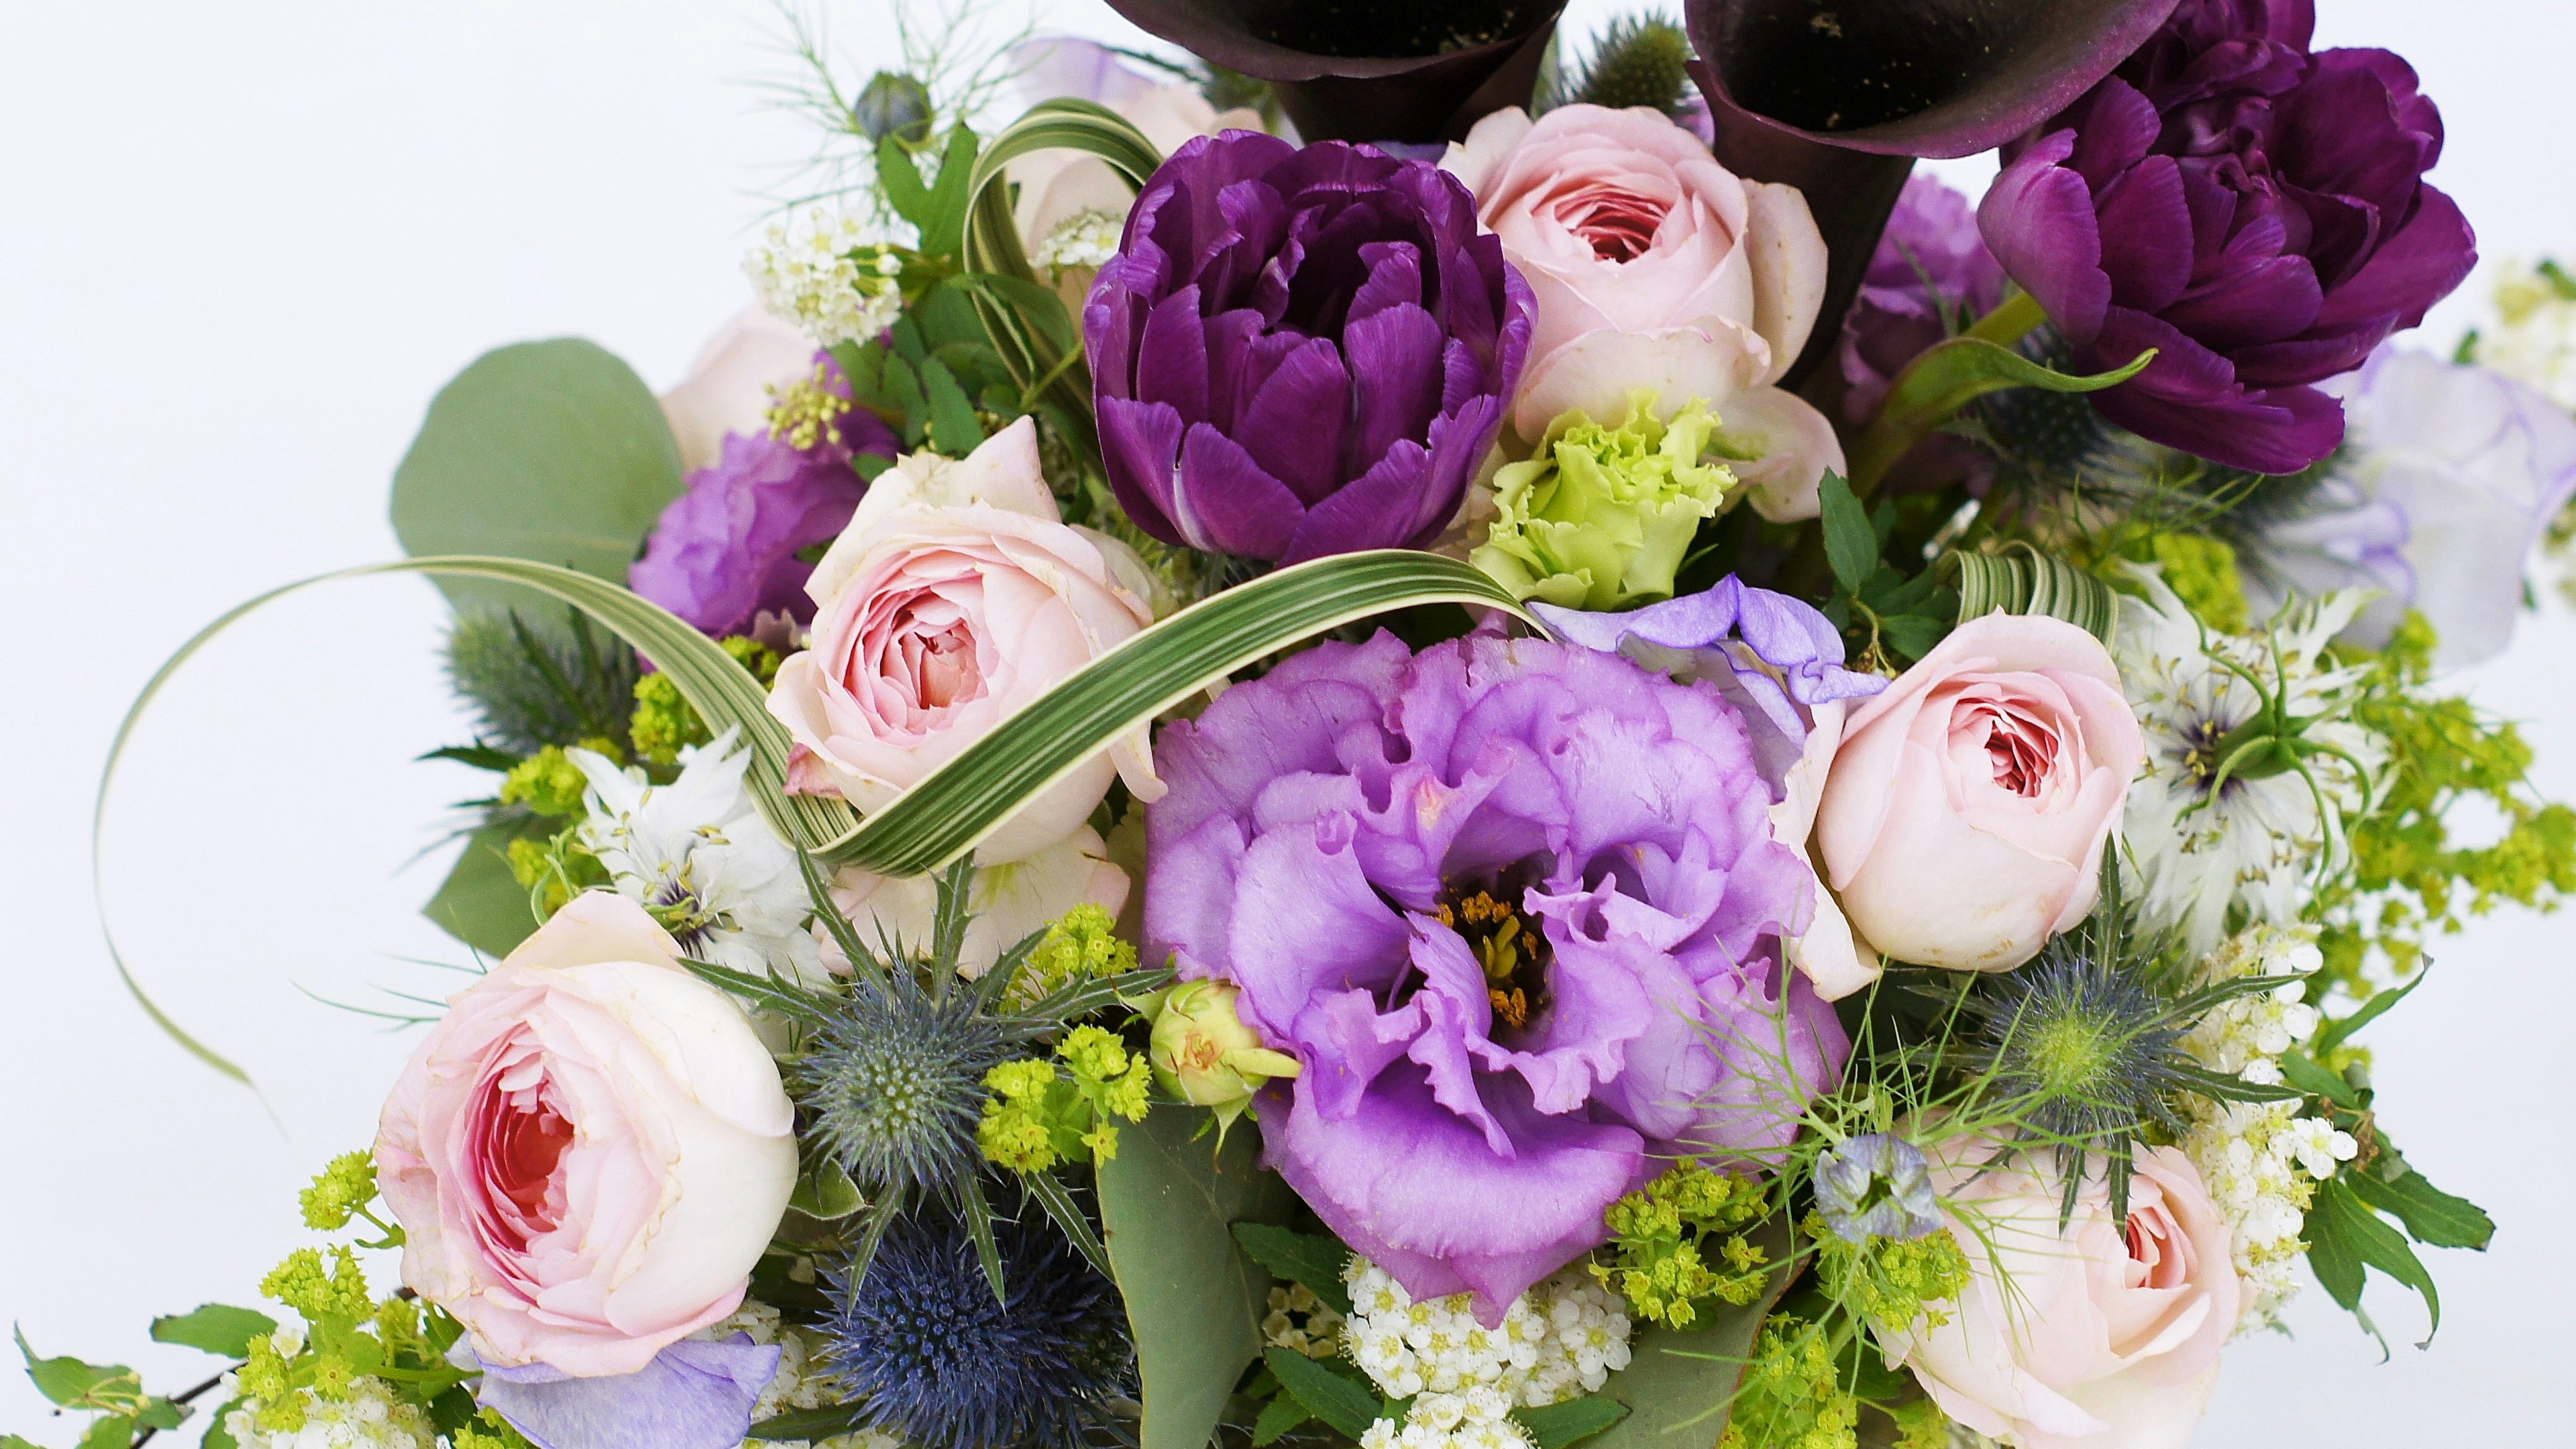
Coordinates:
x,y
2104,1335
1964,817
1655,267
957,595
590,1151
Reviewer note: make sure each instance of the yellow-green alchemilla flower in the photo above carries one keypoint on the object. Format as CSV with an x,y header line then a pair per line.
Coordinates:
x,y
1600,517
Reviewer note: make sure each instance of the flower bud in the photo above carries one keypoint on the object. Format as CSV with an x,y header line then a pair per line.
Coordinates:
x,y
1204,1053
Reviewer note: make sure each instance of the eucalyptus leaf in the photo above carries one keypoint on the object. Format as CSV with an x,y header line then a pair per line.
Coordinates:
x,y
481,903
1947,377
215,1328
1680,1384
1168,1202
553,451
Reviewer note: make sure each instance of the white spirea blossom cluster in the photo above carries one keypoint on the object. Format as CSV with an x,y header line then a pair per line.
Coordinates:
x,y
1562,1339
827,272
367,1417
2260,1160
802,1381
2534,341
1302,1323
1084,239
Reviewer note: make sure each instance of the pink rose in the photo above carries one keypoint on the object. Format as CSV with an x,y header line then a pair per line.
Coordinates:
x,y
728,387
1965,814
1656,267
590,1152
957,595
2104,1335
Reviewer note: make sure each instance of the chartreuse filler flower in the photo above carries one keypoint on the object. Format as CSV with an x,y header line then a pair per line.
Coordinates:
x,y
1258,854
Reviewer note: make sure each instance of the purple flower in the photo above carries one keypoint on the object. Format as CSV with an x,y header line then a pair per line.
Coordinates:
x,y
693,1395
725,550
1515,907
2253,210
1931,272
1301,352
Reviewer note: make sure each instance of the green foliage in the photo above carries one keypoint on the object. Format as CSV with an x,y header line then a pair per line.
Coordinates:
x,y
664,723
1555,1426
1638,61
216,1328
2410,879
482,902
1682,1240
532,687
1040,1115
1890,618
1793,1395
1339,1399
1312,1260
1947,377
2202,572
551,870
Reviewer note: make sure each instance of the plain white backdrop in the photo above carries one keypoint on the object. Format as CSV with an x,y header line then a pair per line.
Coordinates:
x,y
241,245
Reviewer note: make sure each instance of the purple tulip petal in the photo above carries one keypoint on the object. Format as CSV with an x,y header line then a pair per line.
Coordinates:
x,y
2038,218
1226,503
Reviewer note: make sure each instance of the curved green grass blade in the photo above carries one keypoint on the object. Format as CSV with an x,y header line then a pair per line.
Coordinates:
x,y
2022,580
1947,378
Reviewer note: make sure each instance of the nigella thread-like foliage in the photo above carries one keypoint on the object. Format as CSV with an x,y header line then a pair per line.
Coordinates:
x,y
919,1337
893,1084
534,685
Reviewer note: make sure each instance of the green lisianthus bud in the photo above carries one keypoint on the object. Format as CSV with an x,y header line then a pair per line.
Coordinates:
x,y
1204,1054
1600,517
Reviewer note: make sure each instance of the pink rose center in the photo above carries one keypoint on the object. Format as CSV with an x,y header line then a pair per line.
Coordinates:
x,y
917,658
516,1137
2159,1250
2020,750
939,667
1618,224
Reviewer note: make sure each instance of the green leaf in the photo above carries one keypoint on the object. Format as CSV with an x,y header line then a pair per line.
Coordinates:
x,y
2339,1031
2304,1073
1912,635
1061,1207
943,226
2022,580
1555,1426
215,1328
481,903
1313,1259
12,1441
2432,1217
1851,545
1194,1302
77,1385
1332,1398
116,1431
953,428
553,451
1280,1415
2344,1236
812,1425
1946,378
825,1192
1680,1383
900,181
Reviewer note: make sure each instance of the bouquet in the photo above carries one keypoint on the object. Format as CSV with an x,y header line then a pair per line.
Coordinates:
x,y
1401,731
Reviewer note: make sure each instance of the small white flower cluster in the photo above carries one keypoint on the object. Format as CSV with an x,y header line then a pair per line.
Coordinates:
x,y
368,1416
2260,1161
1561,1340
828,273
1301,1322
802,1381
2534,341
1084,239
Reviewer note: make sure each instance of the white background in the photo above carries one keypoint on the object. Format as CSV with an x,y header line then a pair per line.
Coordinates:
x,y
242,244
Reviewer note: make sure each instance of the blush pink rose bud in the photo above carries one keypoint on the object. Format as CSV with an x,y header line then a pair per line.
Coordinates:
x,y
956,595
1965,815
590,1151
2105,1335
729,388
1655,267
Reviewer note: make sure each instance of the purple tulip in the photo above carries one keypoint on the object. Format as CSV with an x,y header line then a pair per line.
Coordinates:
x,y
1301,352
1515,907
724,552
1931,275
2252,209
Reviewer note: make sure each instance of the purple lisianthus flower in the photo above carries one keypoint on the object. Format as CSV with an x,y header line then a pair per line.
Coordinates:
x,y
724,551
1301,352
1516,908
2250,208
1930,275
693,1395
2452,475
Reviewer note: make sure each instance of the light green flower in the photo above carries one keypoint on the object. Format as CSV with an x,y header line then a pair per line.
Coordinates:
x,y
1600,517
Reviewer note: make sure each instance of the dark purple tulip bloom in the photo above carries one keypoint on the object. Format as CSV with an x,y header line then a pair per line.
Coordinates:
x,y
2252,209
1301,352
724,552
1515,908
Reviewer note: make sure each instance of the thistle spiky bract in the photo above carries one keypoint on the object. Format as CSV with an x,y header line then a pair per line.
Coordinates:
x,y
1638,61
534,686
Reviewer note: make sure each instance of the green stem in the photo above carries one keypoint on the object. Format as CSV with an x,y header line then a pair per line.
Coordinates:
x,y
2016,318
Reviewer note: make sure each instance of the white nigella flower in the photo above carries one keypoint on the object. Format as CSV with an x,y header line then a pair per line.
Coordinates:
x,y
828,273
701,858
2252,765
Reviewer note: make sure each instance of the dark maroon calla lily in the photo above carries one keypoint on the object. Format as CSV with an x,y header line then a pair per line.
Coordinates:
x,y
1301,352
1838,104
2250,208
1369,70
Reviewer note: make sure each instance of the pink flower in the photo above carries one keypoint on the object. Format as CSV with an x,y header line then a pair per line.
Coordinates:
x,y
590,1152
1656,267
727,389
1965,814
957,595
2103,1335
